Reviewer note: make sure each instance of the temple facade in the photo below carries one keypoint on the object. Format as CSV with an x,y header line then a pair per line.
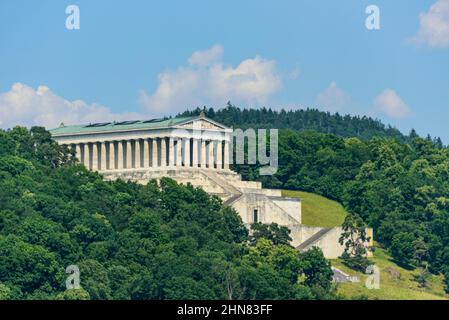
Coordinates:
x,y
194,150
133,145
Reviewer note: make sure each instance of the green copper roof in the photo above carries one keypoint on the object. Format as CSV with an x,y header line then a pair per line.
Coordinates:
x,y
119,126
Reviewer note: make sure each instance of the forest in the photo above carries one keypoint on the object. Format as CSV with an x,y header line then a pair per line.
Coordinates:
x,y
131,241
299,120
398,184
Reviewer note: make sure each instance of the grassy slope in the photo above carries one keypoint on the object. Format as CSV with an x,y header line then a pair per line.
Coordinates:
x,y
322,212
318,211
404,288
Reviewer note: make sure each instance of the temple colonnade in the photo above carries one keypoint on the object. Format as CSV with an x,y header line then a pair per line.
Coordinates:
x,y
157,152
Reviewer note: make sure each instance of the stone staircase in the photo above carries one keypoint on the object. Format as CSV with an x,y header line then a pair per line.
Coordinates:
x,y
231,200
229,189
233,194
313,239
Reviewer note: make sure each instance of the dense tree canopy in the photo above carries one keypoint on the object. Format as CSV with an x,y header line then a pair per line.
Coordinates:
x,y
129,241
306,119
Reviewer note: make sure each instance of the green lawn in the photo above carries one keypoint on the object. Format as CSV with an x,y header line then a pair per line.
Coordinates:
x,y
318,211
391,287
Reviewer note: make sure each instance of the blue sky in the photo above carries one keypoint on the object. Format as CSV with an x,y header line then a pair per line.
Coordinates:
x,y
150,58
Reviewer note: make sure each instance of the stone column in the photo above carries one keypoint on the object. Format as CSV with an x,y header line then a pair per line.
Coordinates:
x,y
88,154
83,153
154,161
203,162
195,153
146,153
129,158
120,155
179,148
171,152
111,155
219,159
102,162
226,155
186,148
98,156
211,160
78,152
94,157
138,161
163,152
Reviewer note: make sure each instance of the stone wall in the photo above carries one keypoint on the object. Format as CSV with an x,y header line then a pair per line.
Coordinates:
x,y
290,205
268,210
328,242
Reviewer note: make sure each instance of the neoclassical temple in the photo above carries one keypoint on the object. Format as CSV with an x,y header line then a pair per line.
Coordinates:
x,y
193,150
148,144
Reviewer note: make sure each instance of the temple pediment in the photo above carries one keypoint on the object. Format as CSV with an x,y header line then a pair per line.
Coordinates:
x,y
201,124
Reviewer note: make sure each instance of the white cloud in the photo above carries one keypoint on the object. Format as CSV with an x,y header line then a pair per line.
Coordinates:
x,y
23,105
207,81
333,98
434,26
390,103
207,57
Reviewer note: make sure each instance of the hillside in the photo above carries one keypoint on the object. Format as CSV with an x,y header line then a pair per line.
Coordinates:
x,y
55,213
396,283
397,188
318,211
321,212
130,241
